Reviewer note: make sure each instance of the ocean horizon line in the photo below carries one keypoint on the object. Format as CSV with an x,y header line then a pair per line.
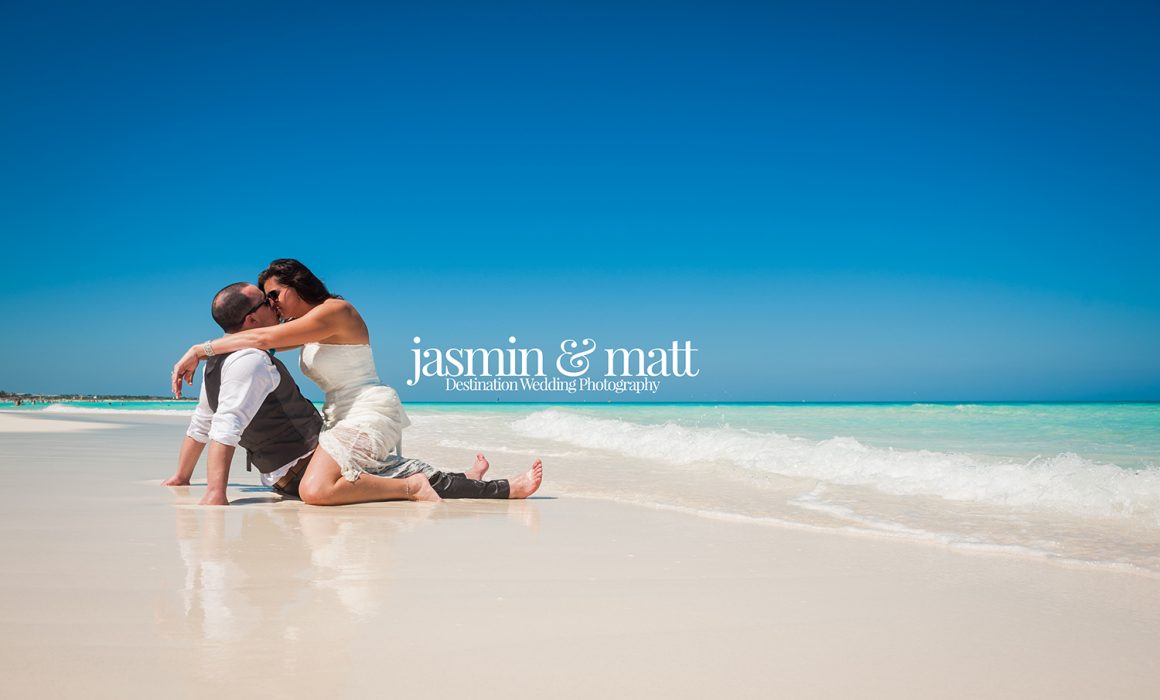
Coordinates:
x,y
75,398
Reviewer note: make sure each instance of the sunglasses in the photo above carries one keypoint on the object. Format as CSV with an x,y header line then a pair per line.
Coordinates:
x,y
266,299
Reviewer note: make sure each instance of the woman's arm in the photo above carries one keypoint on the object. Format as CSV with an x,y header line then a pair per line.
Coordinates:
x,y
318,325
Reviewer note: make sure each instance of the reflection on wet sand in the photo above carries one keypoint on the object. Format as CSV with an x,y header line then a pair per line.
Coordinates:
x,y
280,584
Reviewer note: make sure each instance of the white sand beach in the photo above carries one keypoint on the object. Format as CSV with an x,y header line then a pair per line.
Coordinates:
x,y
37,424
114,586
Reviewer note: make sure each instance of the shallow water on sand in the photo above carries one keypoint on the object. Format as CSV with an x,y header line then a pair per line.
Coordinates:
x,y
1073,482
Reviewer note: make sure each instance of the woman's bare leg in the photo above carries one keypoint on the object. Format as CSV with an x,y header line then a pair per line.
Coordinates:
x,y
324,485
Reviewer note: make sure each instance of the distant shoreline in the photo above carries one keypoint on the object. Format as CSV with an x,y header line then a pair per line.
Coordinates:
x,y
56,398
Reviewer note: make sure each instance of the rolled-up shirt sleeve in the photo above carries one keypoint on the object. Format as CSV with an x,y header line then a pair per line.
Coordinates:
x,y
248,377
202,417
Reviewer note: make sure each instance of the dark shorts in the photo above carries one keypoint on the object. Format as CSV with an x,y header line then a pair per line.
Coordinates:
x,y
288,484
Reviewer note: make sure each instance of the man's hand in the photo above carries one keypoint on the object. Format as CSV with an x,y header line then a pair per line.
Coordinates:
x,y
184,370
213,499
176,480
217,474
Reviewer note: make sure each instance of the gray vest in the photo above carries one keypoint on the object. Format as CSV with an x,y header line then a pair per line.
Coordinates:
x,y
285,427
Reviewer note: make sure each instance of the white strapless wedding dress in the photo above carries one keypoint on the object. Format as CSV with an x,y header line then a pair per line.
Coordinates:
x,y
363,419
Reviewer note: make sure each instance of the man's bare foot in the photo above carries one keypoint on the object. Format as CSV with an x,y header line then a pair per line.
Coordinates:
x,y
478,469
213,499
175,481
419,489
526,484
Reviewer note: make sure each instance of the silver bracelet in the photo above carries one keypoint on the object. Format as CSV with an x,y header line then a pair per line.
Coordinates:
x,y
208,348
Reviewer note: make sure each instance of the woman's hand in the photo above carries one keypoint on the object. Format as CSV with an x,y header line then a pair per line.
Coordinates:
x,y
184,370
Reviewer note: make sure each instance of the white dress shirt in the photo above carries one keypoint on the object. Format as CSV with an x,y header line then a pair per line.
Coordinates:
x,y
248,377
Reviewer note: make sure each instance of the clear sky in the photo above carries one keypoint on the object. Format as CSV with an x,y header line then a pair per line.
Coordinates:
x,y
832,201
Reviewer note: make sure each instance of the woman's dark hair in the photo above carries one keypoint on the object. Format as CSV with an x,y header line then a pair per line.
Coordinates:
x,y
298,277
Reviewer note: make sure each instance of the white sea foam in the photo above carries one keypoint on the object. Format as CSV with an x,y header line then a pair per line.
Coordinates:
x,y
474,445
1064,482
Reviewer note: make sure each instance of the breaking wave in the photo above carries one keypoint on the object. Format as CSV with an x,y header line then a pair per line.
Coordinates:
x,y
1065,482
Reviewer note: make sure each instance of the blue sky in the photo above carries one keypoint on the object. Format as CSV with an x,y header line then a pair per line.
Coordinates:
x,y
833,201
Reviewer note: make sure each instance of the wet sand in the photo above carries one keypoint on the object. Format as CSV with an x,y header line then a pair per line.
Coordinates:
x,y
115,586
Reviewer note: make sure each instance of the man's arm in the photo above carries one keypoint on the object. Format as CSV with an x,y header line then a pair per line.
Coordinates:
x,y
186,461
195,438
217,474
248,377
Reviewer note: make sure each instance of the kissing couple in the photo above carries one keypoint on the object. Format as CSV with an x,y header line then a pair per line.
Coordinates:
x,y
349,454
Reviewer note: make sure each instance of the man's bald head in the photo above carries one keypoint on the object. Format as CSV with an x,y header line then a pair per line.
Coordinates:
x,y
233,303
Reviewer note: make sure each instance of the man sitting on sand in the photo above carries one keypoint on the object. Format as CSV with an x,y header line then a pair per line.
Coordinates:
x,y
249,399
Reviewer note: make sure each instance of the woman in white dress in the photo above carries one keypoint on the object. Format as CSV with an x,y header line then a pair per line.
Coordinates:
x,y
363,418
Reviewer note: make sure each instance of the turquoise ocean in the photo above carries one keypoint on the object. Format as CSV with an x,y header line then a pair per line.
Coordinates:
x,y
1077,483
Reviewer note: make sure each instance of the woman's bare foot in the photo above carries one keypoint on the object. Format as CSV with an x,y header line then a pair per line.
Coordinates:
x,y
526,484
478,469
419,489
